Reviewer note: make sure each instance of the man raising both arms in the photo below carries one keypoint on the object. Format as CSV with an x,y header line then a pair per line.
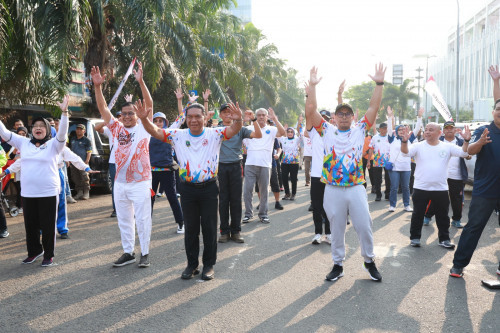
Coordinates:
x,y
343,173
197,148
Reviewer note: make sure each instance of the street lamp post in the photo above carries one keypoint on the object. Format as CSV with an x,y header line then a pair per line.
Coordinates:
x,y
458,60
418,92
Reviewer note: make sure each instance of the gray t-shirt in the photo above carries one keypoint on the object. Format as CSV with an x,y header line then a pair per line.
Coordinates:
x,y
81,147
230,150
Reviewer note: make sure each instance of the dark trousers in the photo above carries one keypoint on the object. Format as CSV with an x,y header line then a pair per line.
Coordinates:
x,y
479,213
167,178
40,214
420,200
412,176
199,206
377,181
80,178
319,215
289,170
3,221
230,190
19,202
370,171
279,173
456,193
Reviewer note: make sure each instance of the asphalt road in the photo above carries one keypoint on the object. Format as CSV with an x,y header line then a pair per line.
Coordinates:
x,y
275,281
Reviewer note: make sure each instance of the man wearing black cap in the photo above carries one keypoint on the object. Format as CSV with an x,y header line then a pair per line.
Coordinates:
x,y
231,177
343,173
82,147
457,175
379,149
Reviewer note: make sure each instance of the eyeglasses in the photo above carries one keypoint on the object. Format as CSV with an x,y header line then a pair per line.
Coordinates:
x,y
126,114
39,126
343,114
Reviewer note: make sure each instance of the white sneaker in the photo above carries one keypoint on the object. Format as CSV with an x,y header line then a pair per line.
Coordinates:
x,y
408,209
392,209
20,211
180,230
317,239
328,239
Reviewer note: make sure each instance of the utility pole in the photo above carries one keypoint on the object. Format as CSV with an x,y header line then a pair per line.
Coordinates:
x,y
418,78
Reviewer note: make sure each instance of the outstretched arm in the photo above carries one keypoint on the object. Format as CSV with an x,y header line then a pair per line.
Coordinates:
x,y
340,92
313,118
495,75
179,95
98,80
237,120
371,113
148,100
257,132
274,117
144,115
205,95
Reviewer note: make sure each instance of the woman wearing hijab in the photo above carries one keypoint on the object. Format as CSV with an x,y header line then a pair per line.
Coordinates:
x,y
163,169
40,182
290,162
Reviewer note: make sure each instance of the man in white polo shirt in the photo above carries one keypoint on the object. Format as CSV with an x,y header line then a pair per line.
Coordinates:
x,y
259,162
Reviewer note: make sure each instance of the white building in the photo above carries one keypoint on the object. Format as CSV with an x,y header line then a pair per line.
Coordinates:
x,y
479,48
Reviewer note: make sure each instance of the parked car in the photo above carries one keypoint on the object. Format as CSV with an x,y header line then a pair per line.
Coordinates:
x,y
99,160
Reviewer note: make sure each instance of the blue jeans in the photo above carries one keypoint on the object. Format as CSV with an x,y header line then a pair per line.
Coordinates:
x,y
479,213
397,177
67,190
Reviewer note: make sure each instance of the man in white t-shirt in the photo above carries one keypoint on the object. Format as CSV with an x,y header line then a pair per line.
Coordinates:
x,y
432,157
259,163
342,173
132,188
197,149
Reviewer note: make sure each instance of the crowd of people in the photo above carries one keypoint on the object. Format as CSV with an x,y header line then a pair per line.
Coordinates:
x,y
214,169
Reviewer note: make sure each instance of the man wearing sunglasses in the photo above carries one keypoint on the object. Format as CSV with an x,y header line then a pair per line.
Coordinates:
x,y
343,172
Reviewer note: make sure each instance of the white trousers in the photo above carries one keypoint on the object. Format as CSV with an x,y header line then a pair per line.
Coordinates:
x,y
133,207
339,201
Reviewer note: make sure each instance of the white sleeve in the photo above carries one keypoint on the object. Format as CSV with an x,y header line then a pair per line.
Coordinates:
x,y
10,137
178,121
412,150
457,151
61,137
418,126
69,156
15,167
107,132
389,127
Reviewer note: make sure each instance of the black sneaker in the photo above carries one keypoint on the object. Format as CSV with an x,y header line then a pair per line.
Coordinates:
x,y
207,273
498,270
278,205
189,272
264,220
113,214
373,271
4,234
457,272
447,244
292,198
258,207
47,262
65,236
310,209
30,260
378,198
144,262
246,219
336,273
125,259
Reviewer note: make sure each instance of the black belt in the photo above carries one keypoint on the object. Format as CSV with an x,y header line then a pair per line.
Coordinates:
x,y
202,184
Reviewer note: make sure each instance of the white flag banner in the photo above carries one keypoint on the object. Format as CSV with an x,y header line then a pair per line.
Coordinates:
x,y
437,99
120,87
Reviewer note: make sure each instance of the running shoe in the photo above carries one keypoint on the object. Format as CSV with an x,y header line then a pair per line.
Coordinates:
x,y
457,224
457,272
328,239
317,239
47,262
415,242
125,259
180,230
372,270
4,234
447,244
30,260
246,219
264,220
408,209
278,205
336,273
144,262
392,209
427,220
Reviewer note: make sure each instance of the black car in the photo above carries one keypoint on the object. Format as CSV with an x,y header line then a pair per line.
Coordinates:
x,y
99,160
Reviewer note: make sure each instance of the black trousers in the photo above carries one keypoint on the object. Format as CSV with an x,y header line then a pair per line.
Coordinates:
x,y
370,171
40,214
456,194
412,176
199,206
319,215
3,221
441,203
230,190
290,170
278,170
166,180
377,181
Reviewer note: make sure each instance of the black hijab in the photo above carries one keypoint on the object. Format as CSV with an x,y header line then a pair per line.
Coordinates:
x,y
48,132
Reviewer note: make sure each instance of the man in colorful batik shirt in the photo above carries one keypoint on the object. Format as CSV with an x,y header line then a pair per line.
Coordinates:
x,y
379,149
197,148
343,173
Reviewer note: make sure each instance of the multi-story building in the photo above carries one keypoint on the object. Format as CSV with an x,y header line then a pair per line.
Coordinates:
x,y
479,48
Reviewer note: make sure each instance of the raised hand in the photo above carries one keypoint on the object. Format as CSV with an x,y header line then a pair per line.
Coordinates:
x,y
306,88
128,98
97,78
485,138
138,73
313,77
178,93
465,133
379,73
93,171
192,98
235,111
64,104
341,88
495,74
272,115
140,109
421,112
249,115
390,112
301,119
206,94
210,114
405,136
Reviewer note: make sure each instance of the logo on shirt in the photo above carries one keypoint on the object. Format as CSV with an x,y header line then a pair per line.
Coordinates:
x,y
204,143
442,153
268,131
188,143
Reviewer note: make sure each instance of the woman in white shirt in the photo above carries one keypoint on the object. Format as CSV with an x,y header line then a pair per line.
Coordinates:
x,y
40,184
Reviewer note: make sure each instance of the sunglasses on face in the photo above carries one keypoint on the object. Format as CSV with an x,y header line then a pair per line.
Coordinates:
x,y
344,114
